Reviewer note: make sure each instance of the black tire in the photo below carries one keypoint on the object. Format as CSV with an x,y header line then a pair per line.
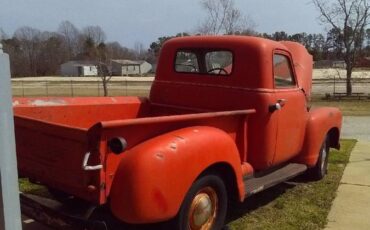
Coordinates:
x,y
209,188
319,171
102,218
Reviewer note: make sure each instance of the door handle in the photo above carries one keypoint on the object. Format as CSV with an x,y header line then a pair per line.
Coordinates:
x,y
281,102
278,105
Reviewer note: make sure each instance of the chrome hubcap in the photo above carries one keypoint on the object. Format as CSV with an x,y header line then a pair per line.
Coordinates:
x,y
203,208
324,153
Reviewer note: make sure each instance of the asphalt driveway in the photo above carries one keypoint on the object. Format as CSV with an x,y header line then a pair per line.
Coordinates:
x,y
356,127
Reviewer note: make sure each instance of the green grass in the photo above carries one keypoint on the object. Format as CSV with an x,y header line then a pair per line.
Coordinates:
x,y
297,204
348,107
27,187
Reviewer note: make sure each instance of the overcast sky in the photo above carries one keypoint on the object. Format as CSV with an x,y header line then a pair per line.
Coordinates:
x,y
130,21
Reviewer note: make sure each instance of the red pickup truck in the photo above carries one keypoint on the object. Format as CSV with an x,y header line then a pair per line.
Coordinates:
x,y
227,117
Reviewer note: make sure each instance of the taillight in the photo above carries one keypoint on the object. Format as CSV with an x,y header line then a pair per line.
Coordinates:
x,y
117,145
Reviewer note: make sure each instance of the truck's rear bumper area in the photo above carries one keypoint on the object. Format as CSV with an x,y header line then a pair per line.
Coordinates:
x,y
59,216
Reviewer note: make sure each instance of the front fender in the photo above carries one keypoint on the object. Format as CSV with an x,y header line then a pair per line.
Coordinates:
x,y
153,178
322,121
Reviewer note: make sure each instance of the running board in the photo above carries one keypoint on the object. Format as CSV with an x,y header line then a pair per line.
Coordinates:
x,y
256,184
58,216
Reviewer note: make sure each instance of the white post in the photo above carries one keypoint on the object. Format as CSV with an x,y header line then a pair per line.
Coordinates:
x,y
10,215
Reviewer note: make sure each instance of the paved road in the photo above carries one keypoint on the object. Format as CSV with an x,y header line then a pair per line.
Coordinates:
x,y
357,127
351,207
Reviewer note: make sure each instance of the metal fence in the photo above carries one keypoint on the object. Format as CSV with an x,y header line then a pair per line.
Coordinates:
x,y
331,86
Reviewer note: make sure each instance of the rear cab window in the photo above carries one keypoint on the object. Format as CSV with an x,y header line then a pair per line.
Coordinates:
x,y
206,62
186,62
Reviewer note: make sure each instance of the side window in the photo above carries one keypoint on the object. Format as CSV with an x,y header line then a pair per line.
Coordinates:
x,y
283,74
219,62
186,62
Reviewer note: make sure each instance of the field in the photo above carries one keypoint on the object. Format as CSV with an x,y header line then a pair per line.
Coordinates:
x,y
348,107
80,86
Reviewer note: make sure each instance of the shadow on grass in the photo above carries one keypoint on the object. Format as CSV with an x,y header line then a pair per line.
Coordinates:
x,y
236,211
258,200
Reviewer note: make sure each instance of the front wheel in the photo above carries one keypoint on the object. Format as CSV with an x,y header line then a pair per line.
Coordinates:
x,y
319,171
204,206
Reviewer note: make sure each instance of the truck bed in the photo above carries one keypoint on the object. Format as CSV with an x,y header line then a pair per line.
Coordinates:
x,y
80,112
54,134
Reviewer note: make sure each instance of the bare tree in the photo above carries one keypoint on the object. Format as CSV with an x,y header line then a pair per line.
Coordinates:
x,y
224,18
104,67
350,18
29,39
52,52
95,33
105,74
139,50
116,51
70,36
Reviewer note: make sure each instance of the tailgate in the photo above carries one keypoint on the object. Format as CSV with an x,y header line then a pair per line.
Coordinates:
x,y
53,154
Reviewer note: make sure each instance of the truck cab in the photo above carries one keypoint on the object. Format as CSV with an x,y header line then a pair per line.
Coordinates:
x,y
251,73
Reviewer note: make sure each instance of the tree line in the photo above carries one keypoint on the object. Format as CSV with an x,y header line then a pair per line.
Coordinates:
x,y
321,46
40,53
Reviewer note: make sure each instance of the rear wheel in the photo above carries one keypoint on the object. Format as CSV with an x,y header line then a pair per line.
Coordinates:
x,y
319,171
204,206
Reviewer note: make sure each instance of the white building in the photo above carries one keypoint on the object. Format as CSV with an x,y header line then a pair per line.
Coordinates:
x,y
130,67
79,68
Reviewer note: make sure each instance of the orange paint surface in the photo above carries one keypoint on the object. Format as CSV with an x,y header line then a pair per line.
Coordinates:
x,y
190,122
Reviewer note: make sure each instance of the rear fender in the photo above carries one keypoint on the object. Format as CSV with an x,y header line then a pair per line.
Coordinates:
x,y
322,121
153,178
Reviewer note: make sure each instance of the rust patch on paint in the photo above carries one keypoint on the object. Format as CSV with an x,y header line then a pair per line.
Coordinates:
x,y
160,155
173,146
180,139
15,103
40,102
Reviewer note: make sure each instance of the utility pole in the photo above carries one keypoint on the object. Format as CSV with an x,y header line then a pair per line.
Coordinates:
x,y
10,214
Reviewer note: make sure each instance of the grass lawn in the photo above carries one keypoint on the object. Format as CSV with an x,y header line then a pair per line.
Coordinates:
x,y
26,187
348,107
297,204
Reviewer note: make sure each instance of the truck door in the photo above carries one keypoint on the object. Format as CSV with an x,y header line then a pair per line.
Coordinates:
x,y
292,110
